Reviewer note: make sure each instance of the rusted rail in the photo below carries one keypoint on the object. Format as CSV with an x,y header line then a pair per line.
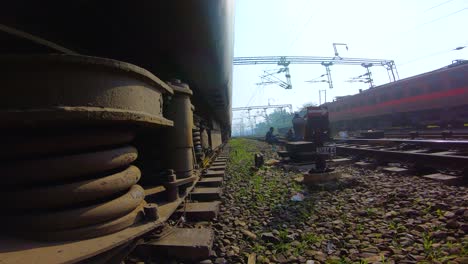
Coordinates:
x,y
435,160
436,144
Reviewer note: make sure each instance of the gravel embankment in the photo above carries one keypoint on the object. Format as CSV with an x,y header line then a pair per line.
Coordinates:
x,y
370,217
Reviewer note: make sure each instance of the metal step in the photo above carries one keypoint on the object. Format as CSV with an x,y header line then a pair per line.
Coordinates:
x,y
341,161
396,170
446,179
223,167
204,211
188,244
206,194
211,173
218,163
211,182
445,153
364,164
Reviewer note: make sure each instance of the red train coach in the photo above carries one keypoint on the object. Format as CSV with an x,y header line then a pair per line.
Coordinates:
x,y
434,99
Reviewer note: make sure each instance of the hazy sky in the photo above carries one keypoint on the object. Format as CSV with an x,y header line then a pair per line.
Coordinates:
x,y
419,35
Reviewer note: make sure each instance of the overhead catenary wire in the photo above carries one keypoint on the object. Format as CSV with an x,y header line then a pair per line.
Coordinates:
x,y
446,16
294,25
438,5
309,19
433,54
435,20
321,76
255,93
300,32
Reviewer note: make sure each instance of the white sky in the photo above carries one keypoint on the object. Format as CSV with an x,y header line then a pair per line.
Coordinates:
x,y
419,35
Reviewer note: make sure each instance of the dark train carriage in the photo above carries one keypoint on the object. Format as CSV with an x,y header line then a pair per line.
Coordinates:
x,y
110,110
434,99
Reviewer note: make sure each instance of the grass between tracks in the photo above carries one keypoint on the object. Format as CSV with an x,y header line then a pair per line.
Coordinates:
x,y
268,190
265,187
264,197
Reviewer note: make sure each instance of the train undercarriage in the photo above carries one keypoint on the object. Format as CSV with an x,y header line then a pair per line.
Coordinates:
x,y
110,111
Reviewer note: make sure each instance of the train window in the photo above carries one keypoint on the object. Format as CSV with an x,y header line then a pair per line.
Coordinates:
x,y
414,90
435,85
383,97
372,100
398,94
457,83
457,80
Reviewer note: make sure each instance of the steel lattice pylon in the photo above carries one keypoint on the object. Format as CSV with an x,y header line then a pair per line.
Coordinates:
x,y
285,61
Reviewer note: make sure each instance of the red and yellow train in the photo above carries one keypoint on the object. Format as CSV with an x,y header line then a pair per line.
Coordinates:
x,y
436,99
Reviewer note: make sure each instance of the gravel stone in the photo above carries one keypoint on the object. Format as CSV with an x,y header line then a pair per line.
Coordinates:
x,y
365,215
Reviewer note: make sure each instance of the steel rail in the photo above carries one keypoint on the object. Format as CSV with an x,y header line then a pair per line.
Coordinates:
x,y
438,144
420,159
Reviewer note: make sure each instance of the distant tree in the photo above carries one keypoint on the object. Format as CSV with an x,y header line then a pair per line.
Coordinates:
x,y
278,119
302,109
309,104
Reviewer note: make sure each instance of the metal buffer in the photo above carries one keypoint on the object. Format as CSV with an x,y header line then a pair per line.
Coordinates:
x,y
179,137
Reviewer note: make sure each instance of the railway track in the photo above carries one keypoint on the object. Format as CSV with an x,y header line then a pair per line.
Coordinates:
x,y
182,238
457,134
152,237
432,135
447,156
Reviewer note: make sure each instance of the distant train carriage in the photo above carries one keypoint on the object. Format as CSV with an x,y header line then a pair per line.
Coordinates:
x,y
434,99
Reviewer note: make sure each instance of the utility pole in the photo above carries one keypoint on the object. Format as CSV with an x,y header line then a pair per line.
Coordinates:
x,y
242,127
266,116
263,108
369,74
255,124
336,51
250,122
327,69
320,96
285,61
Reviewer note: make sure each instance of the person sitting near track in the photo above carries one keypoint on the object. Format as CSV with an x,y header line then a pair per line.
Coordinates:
x,y
290,135
269,137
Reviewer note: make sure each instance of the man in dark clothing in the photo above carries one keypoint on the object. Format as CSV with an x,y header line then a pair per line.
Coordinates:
x,y
269,137
290,135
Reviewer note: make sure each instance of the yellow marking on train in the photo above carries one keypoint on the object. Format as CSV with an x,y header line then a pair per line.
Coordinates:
x,y
432,126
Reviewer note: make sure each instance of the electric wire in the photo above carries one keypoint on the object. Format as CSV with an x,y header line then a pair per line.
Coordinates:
x,y
443,17
434,20
432,55
443,3
309,19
